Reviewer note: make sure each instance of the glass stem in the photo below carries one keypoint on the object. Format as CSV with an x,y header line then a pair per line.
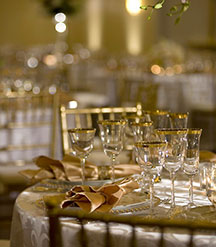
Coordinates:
x,y
191,190
151,190
113,168
83,170
172,178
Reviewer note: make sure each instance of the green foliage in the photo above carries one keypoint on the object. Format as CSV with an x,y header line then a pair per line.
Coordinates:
x,y
177,9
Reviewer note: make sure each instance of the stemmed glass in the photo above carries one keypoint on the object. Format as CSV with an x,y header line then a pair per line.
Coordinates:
x,y
178,120
151,157
191,160
160,118
112,137
82,141
175,152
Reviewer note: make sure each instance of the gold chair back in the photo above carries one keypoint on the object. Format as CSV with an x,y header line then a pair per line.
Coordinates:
x,y
88,117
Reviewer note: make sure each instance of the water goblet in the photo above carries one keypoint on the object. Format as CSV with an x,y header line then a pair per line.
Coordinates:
x,y
151,157
175,152
112,137
191,160
178,120
82,140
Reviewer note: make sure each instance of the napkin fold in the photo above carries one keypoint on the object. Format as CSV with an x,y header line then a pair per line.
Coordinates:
x,y
101,199
207,156
67,169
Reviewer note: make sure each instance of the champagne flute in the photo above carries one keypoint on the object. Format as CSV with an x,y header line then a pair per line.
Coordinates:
x,y
112,137
151,156
175,152
191,160
82,140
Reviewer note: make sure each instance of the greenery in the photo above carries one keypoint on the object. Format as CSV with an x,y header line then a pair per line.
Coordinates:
x,y
176,10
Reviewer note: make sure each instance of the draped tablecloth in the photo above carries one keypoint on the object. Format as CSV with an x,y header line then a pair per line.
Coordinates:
x,y
30,224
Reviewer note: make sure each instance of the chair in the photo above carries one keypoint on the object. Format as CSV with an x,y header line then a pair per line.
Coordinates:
x,y
87,118
139,89
28,128
132,234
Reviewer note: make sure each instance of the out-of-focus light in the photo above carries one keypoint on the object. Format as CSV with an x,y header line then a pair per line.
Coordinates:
x,y
178,68
60,27
169,71
133,6
36,90
27,86
52,89
50,60
32,62
60,17
68,59
18,83
156,69
72,104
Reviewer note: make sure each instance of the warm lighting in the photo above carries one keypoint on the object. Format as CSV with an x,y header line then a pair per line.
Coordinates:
x,y
134,35
94,24
72,104
50,60
156,69
60,27
133,6
60,17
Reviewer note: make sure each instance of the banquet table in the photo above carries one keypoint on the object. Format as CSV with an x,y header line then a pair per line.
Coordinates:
x,y
30,225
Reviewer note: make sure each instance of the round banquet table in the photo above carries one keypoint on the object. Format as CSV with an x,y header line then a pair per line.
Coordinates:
x,y
30,225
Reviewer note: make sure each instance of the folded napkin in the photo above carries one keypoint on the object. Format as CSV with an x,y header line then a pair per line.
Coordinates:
x,y
207,156
101,199
67,169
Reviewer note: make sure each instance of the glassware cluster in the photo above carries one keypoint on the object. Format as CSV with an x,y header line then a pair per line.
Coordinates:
x,y
159,139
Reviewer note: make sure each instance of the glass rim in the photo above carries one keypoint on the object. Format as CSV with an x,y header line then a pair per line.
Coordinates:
x,y
111,122
150,144
180,115
167,131
194,131
145,124
82,130
156,112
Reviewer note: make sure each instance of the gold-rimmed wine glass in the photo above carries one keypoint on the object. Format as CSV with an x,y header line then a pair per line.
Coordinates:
x,y
178,120
175,153
151,157
82,140
191,160
159,118
112,137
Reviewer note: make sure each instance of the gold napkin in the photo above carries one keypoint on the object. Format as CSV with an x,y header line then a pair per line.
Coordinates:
x,y
207,156
67,169
101,199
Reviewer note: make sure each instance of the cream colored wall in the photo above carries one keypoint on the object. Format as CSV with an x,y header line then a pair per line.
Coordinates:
x,y
23,22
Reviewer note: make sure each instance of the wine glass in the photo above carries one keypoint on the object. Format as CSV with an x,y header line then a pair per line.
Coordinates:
x,y
151,157
178,120
191,160
175,152
159,118
112,137
82,140
211,182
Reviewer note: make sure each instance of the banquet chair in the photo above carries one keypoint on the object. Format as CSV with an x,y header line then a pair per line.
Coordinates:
x,y
27,129
134,224
142,90
88,117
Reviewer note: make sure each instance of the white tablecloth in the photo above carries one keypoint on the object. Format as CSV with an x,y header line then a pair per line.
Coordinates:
x,y
30,224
